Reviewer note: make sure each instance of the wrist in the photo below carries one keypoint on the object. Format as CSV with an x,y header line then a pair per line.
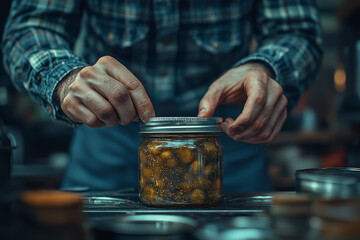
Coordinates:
x,y
62,88
261,66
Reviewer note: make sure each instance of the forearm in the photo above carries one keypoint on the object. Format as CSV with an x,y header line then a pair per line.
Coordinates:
x,y
37,55
290,46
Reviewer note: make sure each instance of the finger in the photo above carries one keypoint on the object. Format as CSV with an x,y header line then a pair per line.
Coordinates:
x,y
277,128
264,134
274,119
137,91
254,105
136,119
265,122
119,97
267,133
210,101
81,114
100,106
225,126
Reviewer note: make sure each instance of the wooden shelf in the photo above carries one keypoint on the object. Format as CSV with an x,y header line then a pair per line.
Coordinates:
x,y
316,137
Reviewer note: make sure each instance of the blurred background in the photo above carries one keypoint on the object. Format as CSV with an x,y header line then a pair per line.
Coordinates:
x,y
323,130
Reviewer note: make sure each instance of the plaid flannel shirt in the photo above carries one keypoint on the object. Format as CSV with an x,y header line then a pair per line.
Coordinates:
x,y
176,48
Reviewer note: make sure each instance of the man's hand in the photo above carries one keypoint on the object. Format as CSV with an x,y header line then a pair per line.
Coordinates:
x,y
106,93
264,103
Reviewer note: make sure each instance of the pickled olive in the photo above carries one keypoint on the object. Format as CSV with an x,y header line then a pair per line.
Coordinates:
x,y
165,154
210,148
186,155
197,196
212,170
195,167
147,172
208,170
200,183
149,194
171,162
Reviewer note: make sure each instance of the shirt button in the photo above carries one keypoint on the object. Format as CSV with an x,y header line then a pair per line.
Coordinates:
x,y
49,109
111,37
164,74
216,44
38,79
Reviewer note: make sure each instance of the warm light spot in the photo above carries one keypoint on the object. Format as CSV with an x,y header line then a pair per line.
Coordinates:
x,y
340,80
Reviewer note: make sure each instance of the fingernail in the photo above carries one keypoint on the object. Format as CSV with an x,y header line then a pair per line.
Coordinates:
x,y
203,110
146,116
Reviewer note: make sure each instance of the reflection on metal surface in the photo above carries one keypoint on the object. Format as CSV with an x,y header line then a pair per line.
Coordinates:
x,y
147,224
191,211
256,227
112,201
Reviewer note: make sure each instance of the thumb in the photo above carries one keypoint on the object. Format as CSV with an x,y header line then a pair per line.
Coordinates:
x,y
209,102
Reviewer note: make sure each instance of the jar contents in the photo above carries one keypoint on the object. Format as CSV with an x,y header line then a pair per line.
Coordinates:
x,y
180,170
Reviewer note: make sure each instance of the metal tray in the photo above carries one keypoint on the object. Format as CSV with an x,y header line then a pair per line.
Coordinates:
x,y
232,204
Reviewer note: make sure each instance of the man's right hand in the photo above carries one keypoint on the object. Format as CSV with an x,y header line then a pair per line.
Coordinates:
x,y
106,93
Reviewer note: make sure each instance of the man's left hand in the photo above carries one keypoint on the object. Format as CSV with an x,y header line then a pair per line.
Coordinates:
x,y
264,103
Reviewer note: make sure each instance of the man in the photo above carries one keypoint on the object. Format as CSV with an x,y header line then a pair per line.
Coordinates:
x,y
180,58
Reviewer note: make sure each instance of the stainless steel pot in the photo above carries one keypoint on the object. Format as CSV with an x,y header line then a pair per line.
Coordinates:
x,y
329,182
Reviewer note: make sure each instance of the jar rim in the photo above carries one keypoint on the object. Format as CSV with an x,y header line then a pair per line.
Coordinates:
x,y
181,125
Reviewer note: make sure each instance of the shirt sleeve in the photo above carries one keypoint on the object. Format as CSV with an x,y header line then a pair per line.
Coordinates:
x,y
289,43
37,44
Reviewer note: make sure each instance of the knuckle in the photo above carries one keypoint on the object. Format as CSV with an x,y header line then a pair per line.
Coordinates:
x,y
278,88
260,98
67,103
105,60
106,112
260,122
92,122
133,84
86,72
246,120
120,94
265,135
74,87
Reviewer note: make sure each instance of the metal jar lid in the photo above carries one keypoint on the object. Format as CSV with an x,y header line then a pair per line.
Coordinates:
x,y
334,175
181,125
329,182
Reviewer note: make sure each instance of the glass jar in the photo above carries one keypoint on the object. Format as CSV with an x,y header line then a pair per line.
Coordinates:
x,y
181,162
